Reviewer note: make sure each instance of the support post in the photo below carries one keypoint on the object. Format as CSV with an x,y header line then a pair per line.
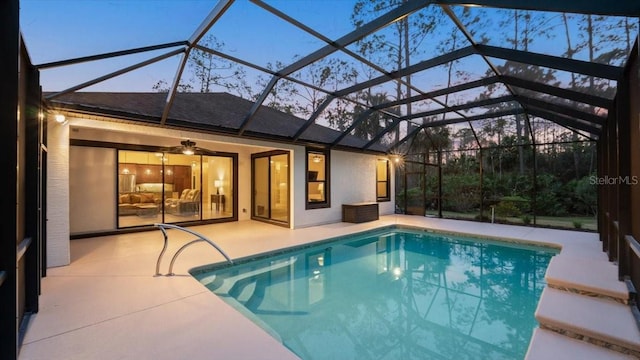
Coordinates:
x,y
9,48
439,183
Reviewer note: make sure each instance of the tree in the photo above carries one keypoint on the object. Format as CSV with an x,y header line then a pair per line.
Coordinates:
x,y
283,95
206,70
375,122
394,51
467,139
438,138
163,86
527,27
329,74
490,129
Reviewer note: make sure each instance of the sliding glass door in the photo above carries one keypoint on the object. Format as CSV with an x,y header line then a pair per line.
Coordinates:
x,y
174,188
270,185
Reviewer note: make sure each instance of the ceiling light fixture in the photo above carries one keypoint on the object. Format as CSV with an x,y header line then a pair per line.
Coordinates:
x,y
188,147
317,158
60,118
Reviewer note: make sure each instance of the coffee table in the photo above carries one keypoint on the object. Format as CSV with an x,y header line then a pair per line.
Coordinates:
x,y
150,210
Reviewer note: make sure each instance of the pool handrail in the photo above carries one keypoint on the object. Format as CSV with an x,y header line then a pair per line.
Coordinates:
x,y
163,228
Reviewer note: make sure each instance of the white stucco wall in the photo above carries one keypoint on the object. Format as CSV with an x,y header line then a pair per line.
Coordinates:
x,y
58,247
353,180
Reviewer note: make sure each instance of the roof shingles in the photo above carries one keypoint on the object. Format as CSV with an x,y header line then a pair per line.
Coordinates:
x,y
215,112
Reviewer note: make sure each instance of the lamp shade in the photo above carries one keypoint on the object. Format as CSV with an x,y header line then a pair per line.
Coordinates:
x,y
217,183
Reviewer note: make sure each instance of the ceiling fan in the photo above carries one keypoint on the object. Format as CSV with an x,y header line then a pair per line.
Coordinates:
x,y
187,147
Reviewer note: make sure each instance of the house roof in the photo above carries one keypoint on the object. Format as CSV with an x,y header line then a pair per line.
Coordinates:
x,y
220,113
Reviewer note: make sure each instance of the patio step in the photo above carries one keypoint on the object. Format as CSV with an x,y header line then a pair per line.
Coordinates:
x,y
598,321
590,277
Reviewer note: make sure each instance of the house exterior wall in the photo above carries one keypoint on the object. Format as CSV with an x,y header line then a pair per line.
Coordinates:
x,y
97,130
352,179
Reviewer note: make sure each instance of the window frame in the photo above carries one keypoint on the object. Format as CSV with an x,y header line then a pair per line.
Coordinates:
x,y
326,203
387,181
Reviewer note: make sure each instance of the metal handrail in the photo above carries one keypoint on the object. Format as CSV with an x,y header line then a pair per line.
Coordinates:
x,y
164,227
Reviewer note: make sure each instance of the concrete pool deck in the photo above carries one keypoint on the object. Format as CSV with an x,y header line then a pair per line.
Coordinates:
x,y
107,304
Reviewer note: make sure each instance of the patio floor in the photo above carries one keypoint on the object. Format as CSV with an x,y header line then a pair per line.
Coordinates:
x,y
107,304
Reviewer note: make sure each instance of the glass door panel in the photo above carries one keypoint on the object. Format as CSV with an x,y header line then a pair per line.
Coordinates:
x,y
261,187
140,188
280,187
158,187
219,191
184,201
271,186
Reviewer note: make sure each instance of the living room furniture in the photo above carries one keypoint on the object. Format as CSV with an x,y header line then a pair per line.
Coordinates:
x,y
360,212
173,201
150,210
129,203
187,204
219,200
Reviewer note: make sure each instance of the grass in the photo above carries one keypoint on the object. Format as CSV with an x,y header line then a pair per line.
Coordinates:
x,y
588,223
565,222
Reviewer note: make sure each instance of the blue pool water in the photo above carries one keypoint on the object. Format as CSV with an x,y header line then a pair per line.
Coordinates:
x,y
392,294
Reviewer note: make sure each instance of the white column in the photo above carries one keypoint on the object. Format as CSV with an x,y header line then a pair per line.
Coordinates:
x,y
58,246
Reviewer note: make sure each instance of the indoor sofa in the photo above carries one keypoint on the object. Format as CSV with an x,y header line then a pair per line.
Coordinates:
x,y
129,203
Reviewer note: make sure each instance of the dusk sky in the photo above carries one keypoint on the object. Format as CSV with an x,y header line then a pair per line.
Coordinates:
x,y
63,29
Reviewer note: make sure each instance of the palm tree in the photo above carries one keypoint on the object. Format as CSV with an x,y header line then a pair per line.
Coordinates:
x,y
376,121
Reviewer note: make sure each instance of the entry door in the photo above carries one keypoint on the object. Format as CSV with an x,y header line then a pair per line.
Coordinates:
x,y
270,184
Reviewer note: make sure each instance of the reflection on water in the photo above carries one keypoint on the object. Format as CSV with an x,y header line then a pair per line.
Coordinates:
x,y
394,295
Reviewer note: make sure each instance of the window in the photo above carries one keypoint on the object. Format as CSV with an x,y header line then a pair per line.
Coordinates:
x,y
382,180
317,179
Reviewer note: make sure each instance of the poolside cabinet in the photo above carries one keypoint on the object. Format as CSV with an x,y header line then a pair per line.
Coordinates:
x,y
360,212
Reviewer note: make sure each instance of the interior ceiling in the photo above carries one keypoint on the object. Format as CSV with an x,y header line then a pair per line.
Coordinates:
x,y
464,66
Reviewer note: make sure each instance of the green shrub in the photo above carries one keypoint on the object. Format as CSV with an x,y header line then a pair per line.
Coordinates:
x,y
548,196
512,206
507,209
412,194
577,224
518,201
586,196
526,219
461,192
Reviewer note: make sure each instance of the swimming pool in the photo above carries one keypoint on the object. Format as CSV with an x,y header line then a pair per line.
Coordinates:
x,y
393,293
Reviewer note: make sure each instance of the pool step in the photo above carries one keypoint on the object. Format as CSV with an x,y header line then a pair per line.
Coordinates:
x,y
599,321
547,344
589,277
